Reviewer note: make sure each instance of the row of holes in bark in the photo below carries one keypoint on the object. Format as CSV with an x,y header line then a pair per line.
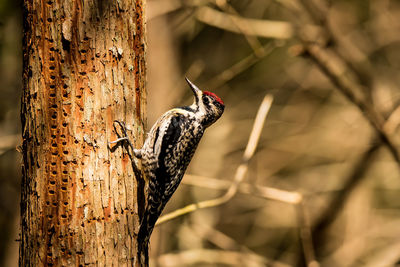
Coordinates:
x,y
52,96
54,146
53,77
63,216
52,68
61,198
56,203
53,90
54,127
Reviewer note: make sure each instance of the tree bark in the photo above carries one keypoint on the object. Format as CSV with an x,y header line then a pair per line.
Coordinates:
x,y
84,67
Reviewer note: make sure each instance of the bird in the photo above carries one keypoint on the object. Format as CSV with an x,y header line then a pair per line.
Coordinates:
x,y
166,154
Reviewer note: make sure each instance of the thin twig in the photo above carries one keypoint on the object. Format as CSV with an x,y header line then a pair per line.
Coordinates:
x,y
393,121
245,188
243,26
162,7
305,234
240,66
240,171
219,239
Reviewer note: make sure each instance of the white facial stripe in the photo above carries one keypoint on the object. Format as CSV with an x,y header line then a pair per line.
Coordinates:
x,y
201,104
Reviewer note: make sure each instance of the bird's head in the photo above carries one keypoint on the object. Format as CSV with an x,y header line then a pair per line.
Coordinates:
x,y
207,104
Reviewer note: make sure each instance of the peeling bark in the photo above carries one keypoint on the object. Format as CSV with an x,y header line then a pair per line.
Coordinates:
x,y
84,67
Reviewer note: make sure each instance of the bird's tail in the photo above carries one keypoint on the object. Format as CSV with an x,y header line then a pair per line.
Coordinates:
x,y
143,240
143,253
149,220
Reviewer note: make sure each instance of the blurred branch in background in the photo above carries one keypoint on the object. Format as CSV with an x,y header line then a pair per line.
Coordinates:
x,y
306,235
294,198
352,91
240,66
227,243
318,180
214,256
248,27
230,20
328,216
244,188
335,68
343,73
242,25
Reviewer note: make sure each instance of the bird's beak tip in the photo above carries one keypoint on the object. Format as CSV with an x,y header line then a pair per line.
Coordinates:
x,y
194,88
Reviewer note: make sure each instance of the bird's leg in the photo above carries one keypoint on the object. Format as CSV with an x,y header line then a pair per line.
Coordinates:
x,y
136,152
139,175
125,137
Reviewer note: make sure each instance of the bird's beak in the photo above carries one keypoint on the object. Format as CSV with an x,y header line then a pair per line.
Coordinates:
x,y
196,91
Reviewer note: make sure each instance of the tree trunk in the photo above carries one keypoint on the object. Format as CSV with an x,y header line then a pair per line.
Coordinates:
x,y
84,67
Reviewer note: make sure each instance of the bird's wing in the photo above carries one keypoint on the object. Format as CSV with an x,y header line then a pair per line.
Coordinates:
x,y
175,141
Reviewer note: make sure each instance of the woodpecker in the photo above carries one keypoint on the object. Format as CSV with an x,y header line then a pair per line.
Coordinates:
x,y
166,153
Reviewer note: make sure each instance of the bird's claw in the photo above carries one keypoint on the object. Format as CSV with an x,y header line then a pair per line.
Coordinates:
x,y
124,131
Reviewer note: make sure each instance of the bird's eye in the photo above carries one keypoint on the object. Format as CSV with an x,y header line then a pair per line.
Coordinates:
x,y
206,101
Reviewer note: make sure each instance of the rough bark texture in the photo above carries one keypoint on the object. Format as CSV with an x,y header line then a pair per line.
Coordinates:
x,y
84,67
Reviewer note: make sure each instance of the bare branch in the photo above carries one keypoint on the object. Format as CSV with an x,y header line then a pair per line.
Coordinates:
x,y
240,66
261,28
245,188
243,26
305,234
219,239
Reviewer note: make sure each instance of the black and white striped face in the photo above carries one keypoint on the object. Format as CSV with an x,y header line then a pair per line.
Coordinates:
x,y
213,106
208,105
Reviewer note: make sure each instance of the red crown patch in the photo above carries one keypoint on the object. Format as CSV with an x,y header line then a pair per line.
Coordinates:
x,y
214,96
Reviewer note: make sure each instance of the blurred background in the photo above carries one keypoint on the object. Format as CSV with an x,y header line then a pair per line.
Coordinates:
x,y
322,188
